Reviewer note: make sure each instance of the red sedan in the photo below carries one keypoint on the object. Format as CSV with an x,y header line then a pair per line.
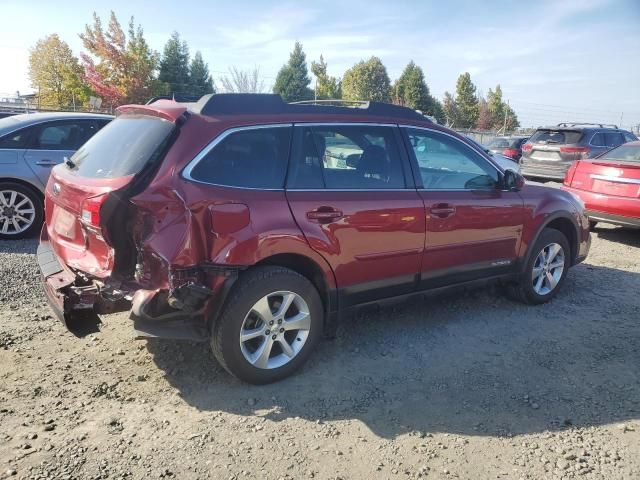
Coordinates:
x,y
609,185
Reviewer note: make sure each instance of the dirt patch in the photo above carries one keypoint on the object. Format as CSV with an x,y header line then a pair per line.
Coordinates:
x,y
460,387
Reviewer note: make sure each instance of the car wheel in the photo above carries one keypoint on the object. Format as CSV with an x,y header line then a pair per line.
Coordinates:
x,y
269,325
21,211
546,269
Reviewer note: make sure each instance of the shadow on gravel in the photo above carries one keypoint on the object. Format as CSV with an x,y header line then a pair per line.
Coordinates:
x,y
626,236
474,364
26,245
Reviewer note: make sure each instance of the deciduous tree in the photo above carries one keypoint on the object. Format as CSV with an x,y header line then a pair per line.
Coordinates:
x,y
450,111
242,81
367,80
56,74
292,81
118,69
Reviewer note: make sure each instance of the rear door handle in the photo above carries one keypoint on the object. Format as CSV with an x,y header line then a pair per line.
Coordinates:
x,y
443,210
324,215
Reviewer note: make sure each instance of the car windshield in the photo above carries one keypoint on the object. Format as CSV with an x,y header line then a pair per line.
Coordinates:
x,y
122,148
626,153
556,136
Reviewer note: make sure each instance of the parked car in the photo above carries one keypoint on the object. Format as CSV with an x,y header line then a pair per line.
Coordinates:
x,y
609,185
510,147
30,145
550,151
222,221
503,162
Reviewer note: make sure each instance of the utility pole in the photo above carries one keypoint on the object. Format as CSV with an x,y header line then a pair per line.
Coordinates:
x,y
621,115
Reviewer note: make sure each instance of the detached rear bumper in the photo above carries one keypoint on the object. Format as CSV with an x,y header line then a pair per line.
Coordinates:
x,y
55,279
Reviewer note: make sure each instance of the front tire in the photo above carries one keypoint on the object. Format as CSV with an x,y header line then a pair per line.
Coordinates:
x,y
21,211
545,271
269,325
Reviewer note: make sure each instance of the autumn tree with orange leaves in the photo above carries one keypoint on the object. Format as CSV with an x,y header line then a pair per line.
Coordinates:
x,y
119,68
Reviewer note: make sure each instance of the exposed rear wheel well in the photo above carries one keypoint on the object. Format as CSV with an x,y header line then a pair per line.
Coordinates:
x,y
305,267
567,228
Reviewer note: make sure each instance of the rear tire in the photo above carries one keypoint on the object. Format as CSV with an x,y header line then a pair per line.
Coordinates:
x,y
21,211
545,271
269,326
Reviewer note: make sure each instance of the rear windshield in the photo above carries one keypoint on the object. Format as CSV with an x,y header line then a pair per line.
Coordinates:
x,y
504,143
121,148
549,136
626,153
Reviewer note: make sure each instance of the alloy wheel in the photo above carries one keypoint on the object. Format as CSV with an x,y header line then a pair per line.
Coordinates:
x,y
548,268
275,330
17,212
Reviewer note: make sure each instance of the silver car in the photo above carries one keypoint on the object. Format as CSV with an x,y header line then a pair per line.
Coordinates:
x,y
30,145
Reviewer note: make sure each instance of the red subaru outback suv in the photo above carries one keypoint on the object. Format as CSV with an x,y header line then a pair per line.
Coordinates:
x,y
254,224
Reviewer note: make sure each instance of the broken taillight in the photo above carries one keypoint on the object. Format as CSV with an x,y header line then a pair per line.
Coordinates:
x,y
91,206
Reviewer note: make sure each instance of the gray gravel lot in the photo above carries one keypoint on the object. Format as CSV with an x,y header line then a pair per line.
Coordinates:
x,y
471,386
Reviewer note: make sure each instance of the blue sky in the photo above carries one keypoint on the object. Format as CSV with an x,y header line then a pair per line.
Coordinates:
x,y
555,60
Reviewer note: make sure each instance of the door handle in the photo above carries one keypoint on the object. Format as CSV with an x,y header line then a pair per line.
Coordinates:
x,y
46,163
324,214
443,210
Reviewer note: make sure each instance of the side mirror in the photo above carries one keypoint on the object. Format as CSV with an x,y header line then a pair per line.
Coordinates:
x,y
512,181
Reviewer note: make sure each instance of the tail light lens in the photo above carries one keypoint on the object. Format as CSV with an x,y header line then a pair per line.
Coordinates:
x,y
580,152
568,177
510,152
527,147
91,210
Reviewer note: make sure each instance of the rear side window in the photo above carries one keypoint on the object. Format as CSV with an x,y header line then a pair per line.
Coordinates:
x,y
346,157
123,147
62,135
499,143
549,136
15,140
628,137
598,140
251,158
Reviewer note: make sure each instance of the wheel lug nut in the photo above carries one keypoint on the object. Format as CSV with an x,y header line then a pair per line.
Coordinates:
x,y
279,321
267,332
273,337
270,322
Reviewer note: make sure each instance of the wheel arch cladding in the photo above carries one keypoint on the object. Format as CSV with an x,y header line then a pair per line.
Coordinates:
x,y
24,183
565,224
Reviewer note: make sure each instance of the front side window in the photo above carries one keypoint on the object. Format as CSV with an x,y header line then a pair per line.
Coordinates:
x,y
629,137
346,157
446,163
251,158
613,139
598,140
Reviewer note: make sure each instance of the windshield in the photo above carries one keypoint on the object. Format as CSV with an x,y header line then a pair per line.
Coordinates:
x,y
556,136
121,148
626,153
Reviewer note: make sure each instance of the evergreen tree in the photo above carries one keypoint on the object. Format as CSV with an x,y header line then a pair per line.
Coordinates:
x,y
174,66
292,81
367,81
466,101
450,111
199,77
326,87
411,90
495,106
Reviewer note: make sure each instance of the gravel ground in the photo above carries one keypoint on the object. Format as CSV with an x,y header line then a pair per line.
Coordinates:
x,y
472,386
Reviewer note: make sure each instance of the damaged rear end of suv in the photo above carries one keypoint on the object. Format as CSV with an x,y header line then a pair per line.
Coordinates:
x,y
99,251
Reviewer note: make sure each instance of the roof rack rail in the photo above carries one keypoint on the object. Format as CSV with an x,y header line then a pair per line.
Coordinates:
x,y
575,124
272,104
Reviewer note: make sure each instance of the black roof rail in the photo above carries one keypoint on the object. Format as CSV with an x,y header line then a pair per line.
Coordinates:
x,y
576,124
272,104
